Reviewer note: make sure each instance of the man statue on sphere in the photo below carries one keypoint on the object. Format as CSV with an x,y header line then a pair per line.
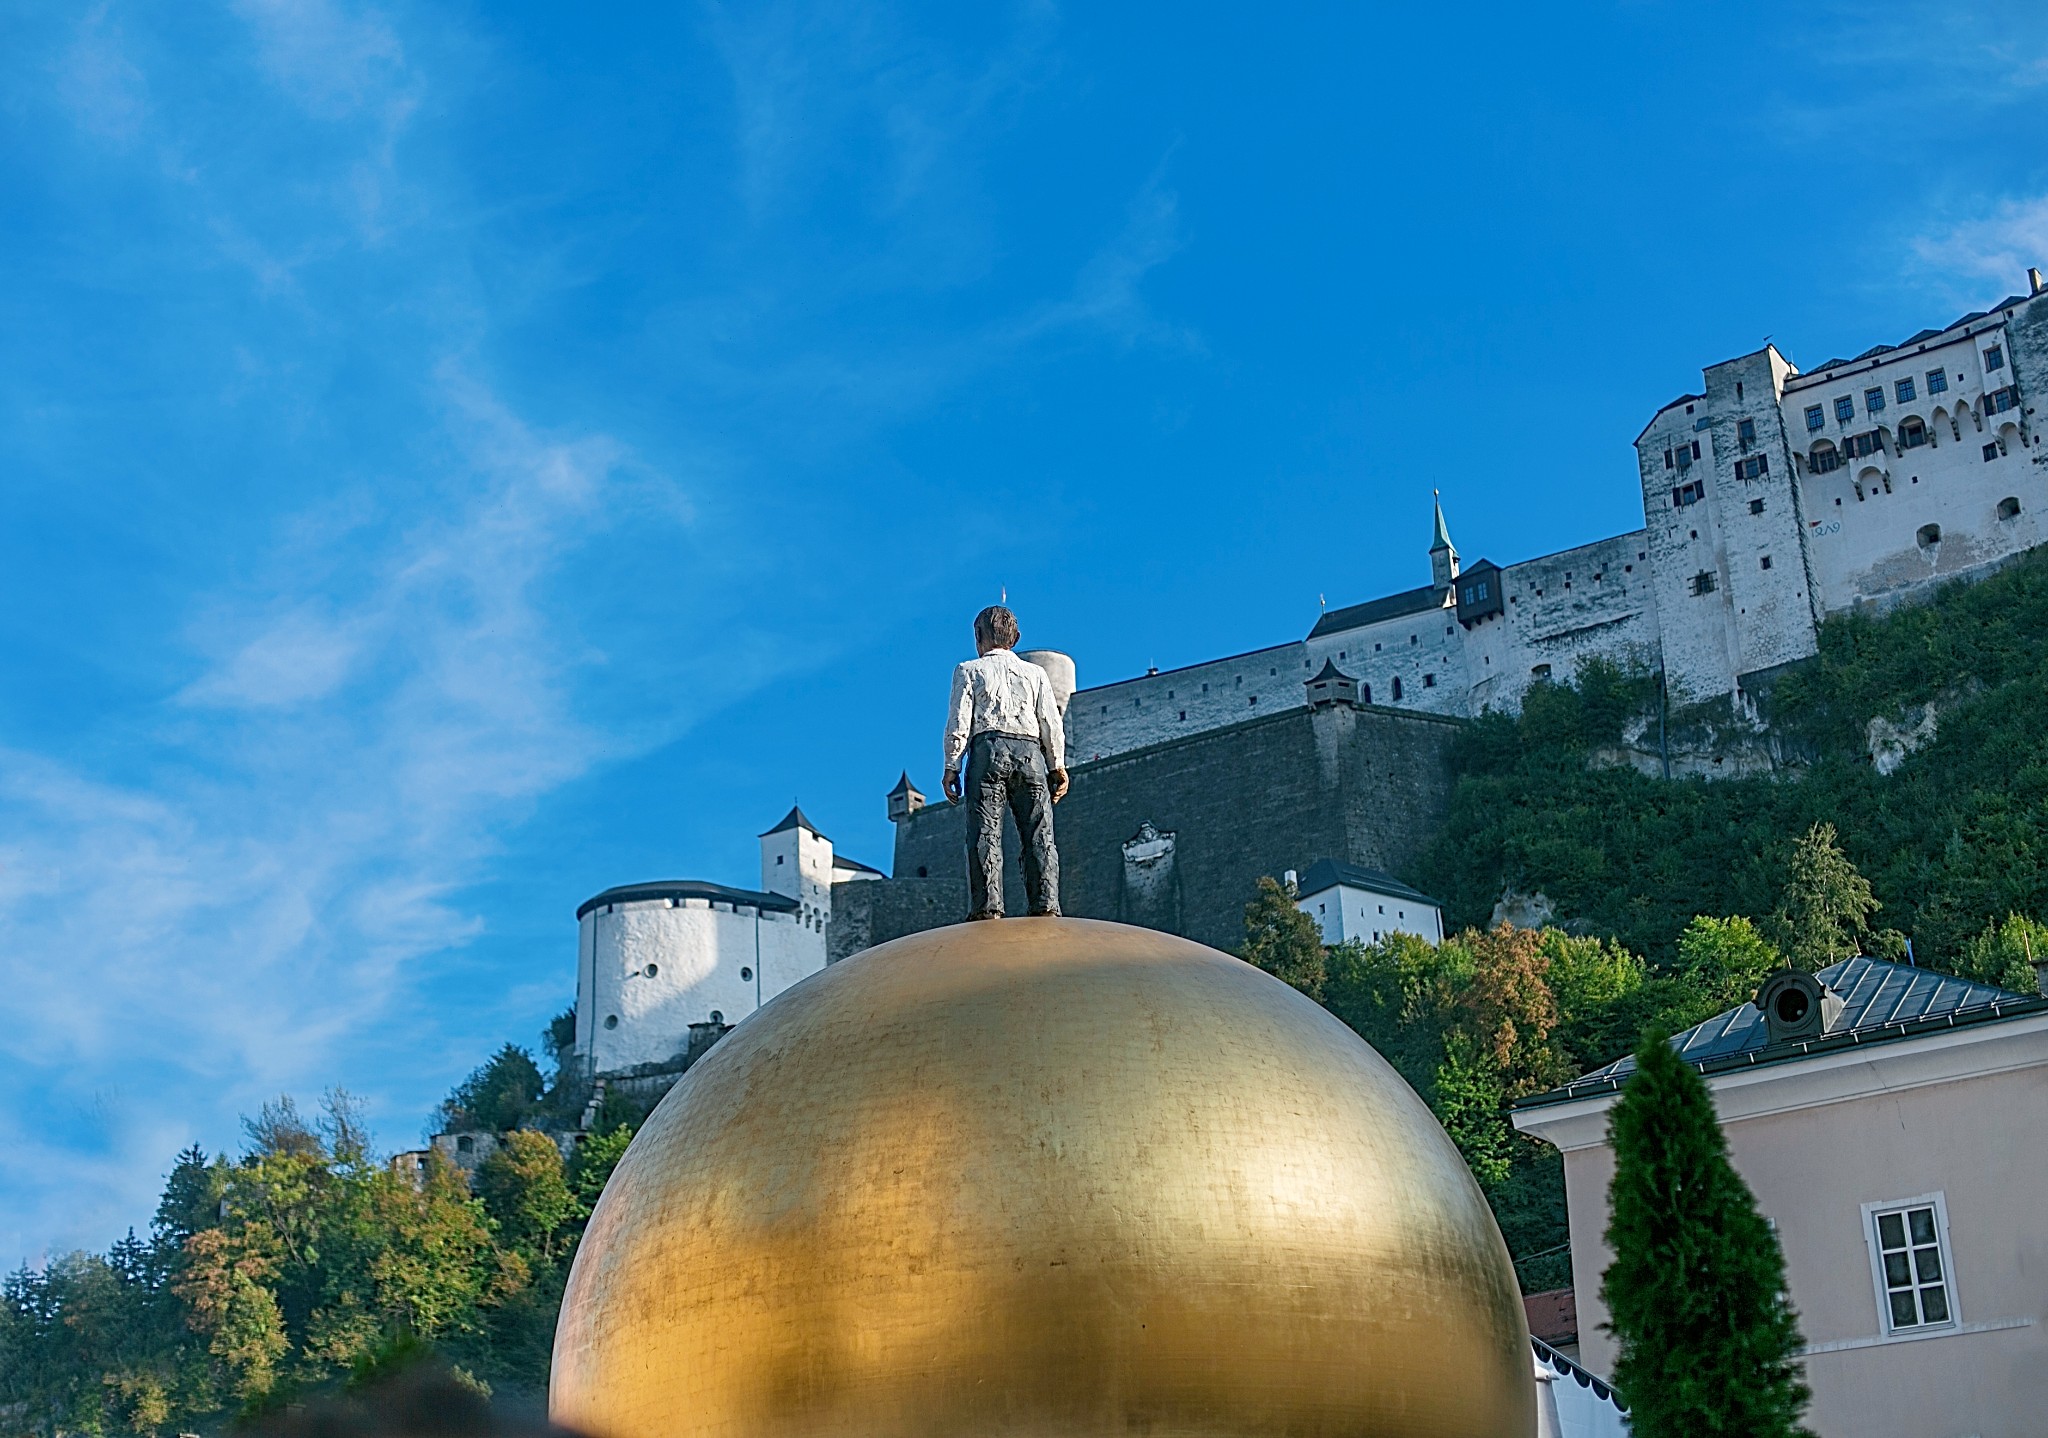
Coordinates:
x,y
1004,720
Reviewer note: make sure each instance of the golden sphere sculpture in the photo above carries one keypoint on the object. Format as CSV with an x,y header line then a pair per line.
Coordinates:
x,y
1050,1178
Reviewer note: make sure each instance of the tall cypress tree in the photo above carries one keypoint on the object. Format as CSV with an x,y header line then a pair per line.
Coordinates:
x,y
1696,1292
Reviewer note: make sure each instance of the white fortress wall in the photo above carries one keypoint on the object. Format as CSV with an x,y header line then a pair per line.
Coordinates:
x,y
1935,482
661,965
1595,600
1405,661
1152,708
1770,499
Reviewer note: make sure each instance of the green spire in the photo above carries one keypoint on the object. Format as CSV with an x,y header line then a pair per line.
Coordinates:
x,y
1443,535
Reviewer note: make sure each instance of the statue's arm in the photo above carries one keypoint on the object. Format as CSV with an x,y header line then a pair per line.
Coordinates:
x,y
959,720
1052,738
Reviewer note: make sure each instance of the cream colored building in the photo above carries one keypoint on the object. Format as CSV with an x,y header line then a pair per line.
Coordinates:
x,y
1894,1128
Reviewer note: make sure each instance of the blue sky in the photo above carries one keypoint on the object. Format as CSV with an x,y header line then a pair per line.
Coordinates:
x,y
456,458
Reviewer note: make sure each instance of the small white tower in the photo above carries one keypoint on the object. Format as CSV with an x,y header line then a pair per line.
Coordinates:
x,y
1443,555
796,861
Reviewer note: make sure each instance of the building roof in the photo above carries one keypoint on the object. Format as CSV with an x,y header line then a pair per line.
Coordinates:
x,y
1553,1316
1330,671
1373,611
904,786
795,819
1328,873
2009,302
840,861
688,889
1880,1002
1442,538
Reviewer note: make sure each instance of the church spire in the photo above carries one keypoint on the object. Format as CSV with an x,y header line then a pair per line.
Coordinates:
x,y
1443,555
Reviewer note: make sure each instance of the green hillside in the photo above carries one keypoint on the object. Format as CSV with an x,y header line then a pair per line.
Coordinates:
x,y
1955,837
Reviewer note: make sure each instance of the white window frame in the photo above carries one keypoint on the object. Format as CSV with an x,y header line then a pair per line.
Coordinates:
x,y
1881,1294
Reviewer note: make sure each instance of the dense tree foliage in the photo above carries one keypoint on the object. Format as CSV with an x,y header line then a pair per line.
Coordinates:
x,y
1282,940
307,1264
1954,837
1706,1333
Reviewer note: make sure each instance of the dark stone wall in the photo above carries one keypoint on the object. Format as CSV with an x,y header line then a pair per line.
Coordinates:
x,y
866,912
1365,785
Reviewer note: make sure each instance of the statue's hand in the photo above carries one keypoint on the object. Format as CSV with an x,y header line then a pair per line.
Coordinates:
x,y
951,784
1059,784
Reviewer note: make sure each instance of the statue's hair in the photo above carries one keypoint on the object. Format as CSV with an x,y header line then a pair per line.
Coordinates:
x,y
996,625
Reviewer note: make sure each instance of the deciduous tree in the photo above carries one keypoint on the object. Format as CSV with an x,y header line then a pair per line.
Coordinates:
x,y
1282,940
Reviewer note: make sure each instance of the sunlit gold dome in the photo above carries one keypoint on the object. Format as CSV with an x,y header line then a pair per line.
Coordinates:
x,y
1042,1177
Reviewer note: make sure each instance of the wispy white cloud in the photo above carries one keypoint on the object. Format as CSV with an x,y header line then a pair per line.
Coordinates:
x,y
1999,246
225,924
239,883
1106,297
101,85
334,59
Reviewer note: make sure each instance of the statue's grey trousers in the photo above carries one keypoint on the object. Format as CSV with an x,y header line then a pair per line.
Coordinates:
x,y
1003,770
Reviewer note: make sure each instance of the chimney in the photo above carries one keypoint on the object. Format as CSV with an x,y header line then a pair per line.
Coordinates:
x,y
2034,282
1796,1006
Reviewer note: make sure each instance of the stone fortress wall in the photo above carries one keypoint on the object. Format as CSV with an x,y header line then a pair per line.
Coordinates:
x,y
1175,835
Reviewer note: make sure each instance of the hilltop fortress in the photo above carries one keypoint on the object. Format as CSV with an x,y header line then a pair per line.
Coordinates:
x,y
1772,498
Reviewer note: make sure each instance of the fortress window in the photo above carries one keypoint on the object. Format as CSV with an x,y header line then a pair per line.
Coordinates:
x,y
1755,467
1703,583
1255,701
1845,408
746,975
1183,713
1815,416
1764,563
1862,446
1873,399
1540,671
1429,681
1745,430
1684,457
1904,389
466,1144
1686,494
1990,452
1667,459
1413,640
652,970
2001,400
1994,358
1756,506
717,1017
611,1021
1105,708
1912,432
2008,508
1937,382
1824,458
778,858
1366,689
1928,536
921,872
1397,689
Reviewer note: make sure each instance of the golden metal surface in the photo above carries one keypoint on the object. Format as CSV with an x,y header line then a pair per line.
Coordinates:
x,y
1045,1178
